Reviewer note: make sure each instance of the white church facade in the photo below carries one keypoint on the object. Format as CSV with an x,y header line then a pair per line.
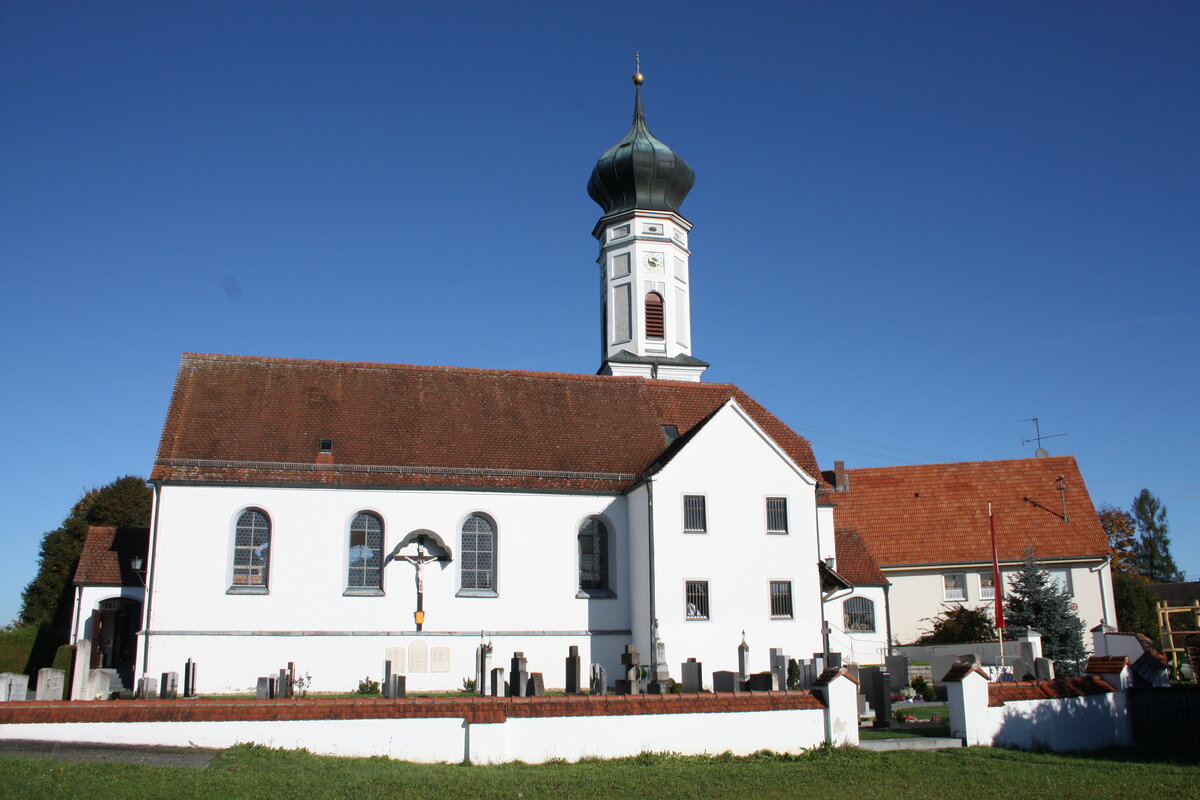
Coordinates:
x,y
332,514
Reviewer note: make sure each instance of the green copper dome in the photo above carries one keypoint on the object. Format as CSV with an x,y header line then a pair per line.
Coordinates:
x,y
640,172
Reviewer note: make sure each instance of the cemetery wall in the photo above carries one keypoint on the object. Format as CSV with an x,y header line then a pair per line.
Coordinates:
x,y
429,730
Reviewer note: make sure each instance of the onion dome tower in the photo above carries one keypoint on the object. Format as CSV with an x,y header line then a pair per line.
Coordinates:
x,y
640,184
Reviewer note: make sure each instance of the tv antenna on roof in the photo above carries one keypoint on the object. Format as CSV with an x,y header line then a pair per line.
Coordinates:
x,y
1041,451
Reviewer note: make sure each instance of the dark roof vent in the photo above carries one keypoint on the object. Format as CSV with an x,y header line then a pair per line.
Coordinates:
x,y
670,433
327,445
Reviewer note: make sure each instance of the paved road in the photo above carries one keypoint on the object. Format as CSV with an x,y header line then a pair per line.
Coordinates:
x,y
112,753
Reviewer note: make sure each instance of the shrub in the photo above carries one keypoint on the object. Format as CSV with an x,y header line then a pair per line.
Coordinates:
x,y
959,624
368,686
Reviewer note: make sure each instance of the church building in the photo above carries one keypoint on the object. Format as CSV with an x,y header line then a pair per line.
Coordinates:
x,y
334,514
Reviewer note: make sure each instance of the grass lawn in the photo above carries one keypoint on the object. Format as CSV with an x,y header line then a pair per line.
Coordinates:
x,y
255,772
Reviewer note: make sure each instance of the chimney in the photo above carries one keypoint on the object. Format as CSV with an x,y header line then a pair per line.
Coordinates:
x,y
841,481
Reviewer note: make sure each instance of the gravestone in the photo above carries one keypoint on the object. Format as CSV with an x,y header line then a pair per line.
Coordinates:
x,y
14,687
189,678
1043,669
168,688
389,669
536,687
483,668
834,660
81,675
660,673
759,682
693,681
743,661
102,684
497,687
418,657
877,688
629,662
283,684
439,659
723,681
397,687
573,669
50,684
897,667
265,688
778,663
599,680
518,675
147,688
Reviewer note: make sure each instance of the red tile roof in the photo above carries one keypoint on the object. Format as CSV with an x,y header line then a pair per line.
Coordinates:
x,y
1082,686
937,513
107,555
259,420
854,562
1106,665
961,669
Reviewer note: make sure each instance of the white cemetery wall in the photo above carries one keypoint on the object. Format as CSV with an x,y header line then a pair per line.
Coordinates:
x,y
305,616
735,467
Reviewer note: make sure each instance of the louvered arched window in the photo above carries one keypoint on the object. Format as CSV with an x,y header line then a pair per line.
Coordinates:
x,y
654,315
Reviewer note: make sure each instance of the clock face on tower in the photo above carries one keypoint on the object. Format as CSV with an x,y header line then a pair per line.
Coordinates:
x,y
653,262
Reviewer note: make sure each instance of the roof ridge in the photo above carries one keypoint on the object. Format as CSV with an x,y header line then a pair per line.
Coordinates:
x,y
443,368
1044,459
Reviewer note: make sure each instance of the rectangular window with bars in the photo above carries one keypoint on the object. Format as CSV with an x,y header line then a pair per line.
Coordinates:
x,y
695,514
781,599
777,518
696,595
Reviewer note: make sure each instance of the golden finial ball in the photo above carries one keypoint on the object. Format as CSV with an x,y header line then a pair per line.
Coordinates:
x,y
638,79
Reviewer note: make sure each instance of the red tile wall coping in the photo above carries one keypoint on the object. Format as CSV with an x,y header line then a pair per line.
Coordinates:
x,y
472,709
1083,686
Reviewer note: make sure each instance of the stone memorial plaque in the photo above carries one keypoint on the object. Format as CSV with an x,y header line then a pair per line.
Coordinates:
x,y
418,657
50,684
398,656
439,659
169,687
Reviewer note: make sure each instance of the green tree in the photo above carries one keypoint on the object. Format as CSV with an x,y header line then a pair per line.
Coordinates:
x,y
1153,551
1036,602
1135,604
47,598
1121,529
959,624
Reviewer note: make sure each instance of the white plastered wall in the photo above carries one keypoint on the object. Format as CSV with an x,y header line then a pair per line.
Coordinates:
x,y
917,593
306,619
858,647
736,467
88,600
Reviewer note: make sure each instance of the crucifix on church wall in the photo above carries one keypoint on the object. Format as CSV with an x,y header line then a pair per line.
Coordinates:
x,y
437,552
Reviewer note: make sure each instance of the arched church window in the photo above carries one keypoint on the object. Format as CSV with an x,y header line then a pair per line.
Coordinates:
x,y
593,556
478,553
365,563
859,614
251,550
654,315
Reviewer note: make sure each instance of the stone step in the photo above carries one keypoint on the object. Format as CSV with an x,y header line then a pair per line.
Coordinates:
x,y
910,743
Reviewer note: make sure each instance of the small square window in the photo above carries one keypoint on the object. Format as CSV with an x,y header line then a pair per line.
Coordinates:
x,y
695,514
696,597
954,587
326,445
781,599
777,516
1062,579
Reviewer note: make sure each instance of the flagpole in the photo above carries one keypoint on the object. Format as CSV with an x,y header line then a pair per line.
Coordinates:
x,y
997,592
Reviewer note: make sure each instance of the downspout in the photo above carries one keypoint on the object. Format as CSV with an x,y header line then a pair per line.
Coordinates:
x,y
887,614
78,611
820,560
650,541
153,573
1100,578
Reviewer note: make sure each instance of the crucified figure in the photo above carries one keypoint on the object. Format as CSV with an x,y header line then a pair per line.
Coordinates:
x,y
419,561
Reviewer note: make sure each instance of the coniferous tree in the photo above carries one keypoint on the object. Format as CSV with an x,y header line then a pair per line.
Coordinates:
x,y
1153,550
1036,602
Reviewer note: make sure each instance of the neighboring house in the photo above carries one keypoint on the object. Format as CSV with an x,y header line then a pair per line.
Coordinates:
x,y
927,528
109,592
331,514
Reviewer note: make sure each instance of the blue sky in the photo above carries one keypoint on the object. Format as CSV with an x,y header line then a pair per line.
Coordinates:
x,y
916,224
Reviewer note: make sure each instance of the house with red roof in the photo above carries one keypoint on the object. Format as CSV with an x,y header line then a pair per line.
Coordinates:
x,y
927,528
109,592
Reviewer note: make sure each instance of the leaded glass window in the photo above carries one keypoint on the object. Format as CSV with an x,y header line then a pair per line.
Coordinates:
x,y
478,553
251,549
365,569
593,555
859,614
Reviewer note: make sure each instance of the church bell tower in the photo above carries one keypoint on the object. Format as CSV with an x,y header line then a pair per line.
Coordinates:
x,y
644,282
